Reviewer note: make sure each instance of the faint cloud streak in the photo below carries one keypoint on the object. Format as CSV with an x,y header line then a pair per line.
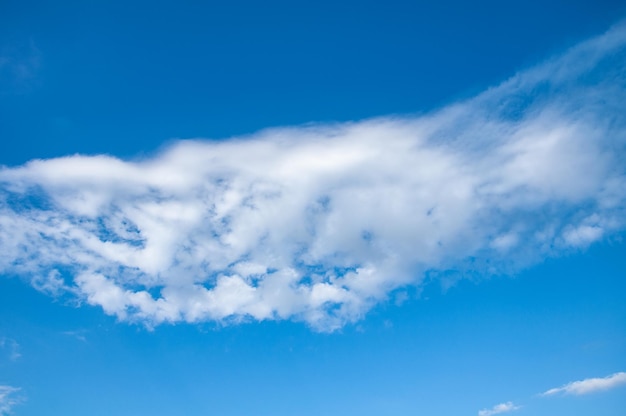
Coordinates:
x,y
9,398
589,385
19,66
11,348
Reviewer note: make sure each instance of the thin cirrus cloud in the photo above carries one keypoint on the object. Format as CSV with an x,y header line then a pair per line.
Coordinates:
x,y
9,398
589,385
19,65
499,408
320,223
10,348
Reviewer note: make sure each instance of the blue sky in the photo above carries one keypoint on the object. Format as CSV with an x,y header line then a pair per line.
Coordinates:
x,y
295,208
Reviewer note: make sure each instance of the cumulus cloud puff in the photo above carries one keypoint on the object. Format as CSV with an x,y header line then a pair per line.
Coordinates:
x,y
319,223
499,408
589,385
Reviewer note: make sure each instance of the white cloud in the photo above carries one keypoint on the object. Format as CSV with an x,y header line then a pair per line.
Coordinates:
x,y
499,408
9,397
590,385
320,223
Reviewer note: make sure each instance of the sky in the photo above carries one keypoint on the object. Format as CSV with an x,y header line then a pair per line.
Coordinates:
x,y
302,208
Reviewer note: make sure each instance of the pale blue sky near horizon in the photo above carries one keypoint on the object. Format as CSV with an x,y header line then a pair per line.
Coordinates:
x,y
479,325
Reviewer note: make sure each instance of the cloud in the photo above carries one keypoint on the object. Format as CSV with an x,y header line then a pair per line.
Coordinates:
x,y
10,347
8,399
590,385
79,335
499,408
19,66
319,223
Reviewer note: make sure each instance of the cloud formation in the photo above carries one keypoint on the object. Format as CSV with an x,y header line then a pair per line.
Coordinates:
x,y
499,408
8,399
589,385
320,223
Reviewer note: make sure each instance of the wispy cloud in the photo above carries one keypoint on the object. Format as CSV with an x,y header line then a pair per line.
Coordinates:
x,y
79,335
589,385
10,347
19,65
9,397
320,223
499,408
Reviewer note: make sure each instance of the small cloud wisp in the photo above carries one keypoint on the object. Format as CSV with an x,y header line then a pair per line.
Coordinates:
x,y
9,397
499,408
589,385
10,348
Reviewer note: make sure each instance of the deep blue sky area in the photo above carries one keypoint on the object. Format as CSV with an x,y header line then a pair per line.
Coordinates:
x,y
131,78
126,77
